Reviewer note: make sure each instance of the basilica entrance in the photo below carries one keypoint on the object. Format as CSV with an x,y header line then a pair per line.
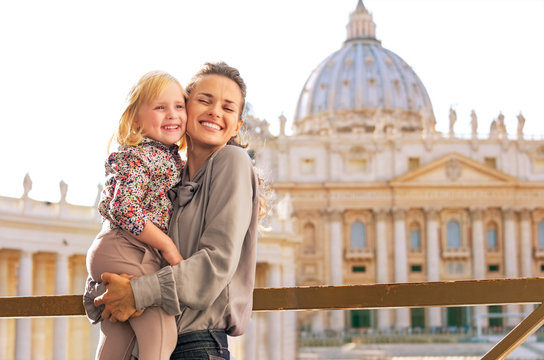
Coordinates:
x,y
458,317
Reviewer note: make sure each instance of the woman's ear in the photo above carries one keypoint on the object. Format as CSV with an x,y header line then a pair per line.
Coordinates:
x,y
239,125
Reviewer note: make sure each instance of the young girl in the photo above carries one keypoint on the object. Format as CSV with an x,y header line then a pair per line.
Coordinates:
x,y
136,209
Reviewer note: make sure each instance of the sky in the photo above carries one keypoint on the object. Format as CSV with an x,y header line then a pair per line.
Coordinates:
x,y
66,67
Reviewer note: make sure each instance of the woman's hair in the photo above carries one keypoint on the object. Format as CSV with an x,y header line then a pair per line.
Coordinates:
x,y
221,68
149,87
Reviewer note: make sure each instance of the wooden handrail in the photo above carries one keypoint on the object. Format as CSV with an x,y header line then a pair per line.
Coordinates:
x,y
424,294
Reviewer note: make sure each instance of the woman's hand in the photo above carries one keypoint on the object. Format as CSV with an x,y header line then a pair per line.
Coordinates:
x,y
118,298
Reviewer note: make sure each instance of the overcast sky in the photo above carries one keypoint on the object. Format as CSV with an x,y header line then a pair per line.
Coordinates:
x,y
67,66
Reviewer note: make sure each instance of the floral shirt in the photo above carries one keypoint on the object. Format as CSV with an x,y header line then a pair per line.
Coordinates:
x,y
137,182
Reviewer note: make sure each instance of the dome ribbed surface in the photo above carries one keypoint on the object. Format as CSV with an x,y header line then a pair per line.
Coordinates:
x,y
360,85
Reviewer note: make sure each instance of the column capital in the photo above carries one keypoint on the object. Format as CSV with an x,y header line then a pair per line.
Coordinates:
x,y
476,212
333,214
509,213
431,213
526,214
381,213
399,213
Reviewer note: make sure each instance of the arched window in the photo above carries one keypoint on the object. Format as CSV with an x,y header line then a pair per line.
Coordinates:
x,y
454,235
415,237
309,238
541,234
358,236
492,242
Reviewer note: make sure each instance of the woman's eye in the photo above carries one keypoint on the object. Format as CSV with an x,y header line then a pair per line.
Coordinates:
x,y
229,109
203,101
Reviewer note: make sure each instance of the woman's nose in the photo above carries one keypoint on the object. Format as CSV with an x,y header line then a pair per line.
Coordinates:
x,y
215,110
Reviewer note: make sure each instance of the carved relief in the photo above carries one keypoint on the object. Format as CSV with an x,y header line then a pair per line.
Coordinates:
x,y
453,169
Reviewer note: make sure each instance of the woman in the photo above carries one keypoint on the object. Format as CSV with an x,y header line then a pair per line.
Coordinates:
x,y
214,225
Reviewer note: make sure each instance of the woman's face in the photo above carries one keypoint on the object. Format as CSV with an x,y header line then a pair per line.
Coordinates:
x,y
213,112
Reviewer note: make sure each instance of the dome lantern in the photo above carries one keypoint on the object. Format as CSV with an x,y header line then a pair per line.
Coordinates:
x,y
361,26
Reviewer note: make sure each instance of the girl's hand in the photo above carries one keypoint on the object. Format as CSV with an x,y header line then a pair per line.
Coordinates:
x,y
172,255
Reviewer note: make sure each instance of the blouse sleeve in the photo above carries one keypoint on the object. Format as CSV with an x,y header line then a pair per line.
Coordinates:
x,y
204,275
130,178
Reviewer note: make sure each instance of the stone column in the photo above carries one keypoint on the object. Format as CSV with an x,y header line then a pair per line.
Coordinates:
x,y
285,164
382,265
478,254
336,262
526,249
23,336
434,318
275,343
510,259
251,339
289,317
60,334
4,324
401,263
318,325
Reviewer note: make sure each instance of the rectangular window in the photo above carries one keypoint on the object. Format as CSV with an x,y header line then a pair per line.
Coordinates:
x,y
413,163
356,165
416,268
415,240
492,240
541,268
493,268
541,234
456,268
358,269
307,166
491,162
539,165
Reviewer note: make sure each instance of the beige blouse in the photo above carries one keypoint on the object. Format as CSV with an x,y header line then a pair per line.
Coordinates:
x,y
214,226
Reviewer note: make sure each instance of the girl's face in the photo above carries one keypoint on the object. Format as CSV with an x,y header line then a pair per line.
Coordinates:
x,y
213,112
164,118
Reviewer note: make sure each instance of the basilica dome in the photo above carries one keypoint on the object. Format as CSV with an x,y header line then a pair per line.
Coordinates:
x,y
362,88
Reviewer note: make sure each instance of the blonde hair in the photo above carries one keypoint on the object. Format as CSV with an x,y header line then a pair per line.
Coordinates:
x,y
149,87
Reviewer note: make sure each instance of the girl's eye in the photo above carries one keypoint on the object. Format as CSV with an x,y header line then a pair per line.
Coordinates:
x,y
180,106
160,107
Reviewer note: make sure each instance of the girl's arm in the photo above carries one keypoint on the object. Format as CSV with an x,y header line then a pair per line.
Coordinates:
x,y
154,237
132,175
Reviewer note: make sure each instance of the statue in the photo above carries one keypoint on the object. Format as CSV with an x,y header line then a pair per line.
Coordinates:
x,y
453,118
474,123
493,128
501,127
98,195
283,120
63,190
379,120
521,124
27,185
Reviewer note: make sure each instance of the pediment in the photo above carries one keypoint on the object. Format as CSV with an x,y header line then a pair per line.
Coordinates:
x,y
455,169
